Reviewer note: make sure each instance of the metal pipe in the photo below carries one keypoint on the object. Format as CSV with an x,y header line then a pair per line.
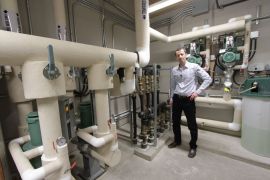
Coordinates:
x,y
142,102
261,18
148,100
155,104
258,13
134,118
28,10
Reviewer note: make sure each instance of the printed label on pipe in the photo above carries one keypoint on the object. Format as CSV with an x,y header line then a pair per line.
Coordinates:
x,y
144,10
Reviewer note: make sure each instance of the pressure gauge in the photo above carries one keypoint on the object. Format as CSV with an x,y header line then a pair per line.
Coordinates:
x,y
61,141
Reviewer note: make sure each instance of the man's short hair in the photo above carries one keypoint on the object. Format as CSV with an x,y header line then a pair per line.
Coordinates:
x,y
182,48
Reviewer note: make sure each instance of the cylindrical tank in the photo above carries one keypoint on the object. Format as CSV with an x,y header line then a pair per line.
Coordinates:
x,y
86,115
256,125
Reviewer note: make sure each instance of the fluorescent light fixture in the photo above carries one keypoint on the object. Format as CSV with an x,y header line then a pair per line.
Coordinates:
x,y
162,4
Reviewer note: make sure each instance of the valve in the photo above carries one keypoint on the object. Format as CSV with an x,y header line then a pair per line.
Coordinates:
x,y
51,72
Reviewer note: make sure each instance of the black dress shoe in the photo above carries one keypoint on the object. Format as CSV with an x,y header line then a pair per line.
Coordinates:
x,y
173,145
192,153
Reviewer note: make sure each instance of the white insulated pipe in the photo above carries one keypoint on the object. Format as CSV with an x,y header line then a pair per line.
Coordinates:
x,y
23,164
128,86
10,5
208,31
33,48
96,142
159,36
235,125
102,112
50,126
23,109
59,12
90,129
142,27
246,47
236,25
34,152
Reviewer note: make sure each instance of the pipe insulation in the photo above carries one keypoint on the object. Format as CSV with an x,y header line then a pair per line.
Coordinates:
x,y
33,48
102,112
235,125
23,164
142,31
59,12
10,5
96,142
49,119
236,25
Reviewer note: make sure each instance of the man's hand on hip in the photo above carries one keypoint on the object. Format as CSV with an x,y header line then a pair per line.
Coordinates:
x,y
193,96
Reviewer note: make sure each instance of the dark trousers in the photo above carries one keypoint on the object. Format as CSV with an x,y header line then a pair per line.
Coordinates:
x,y
179,104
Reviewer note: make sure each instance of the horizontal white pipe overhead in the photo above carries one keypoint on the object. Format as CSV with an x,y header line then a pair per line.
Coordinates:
x,y
158,35
96,142
16,48
232,26
162,4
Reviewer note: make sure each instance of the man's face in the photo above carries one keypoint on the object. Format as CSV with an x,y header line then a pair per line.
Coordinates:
x,y
181,56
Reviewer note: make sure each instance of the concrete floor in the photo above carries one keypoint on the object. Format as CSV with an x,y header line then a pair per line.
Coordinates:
x,y
209,164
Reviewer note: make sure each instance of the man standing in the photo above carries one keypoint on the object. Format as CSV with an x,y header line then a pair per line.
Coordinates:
x,y
184,92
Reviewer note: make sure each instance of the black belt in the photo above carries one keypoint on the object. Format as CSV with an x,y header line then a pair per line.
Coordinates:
x,y
182,97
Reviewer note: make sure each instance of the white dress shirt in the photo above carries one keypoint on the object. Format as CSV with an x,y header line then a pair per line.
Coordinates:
x,y
184,79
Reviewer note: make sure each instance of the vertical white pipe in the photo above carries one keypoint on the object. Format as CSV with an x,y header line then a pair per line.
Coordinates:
x,y
207,53
10,5
142,31
14,83
102,112
50,127
60,18
59,12
246,47
23,110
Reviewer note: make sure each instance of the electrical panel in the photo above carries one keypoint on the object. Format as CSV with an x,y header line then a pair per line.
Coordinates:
x,y
67,117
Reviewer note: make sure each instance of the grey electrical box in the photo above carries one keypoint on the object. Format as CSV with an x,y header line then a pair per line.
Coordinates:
x,y
67,117
199,7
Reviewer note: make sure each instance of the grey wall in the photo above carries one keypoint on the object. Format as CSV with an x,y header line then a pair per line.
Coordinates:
x,y
163,52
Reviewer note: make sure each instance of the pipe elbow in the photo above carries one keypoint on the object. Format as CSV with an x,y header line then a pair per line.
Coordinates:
x,y
34,174
234,126
144,57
